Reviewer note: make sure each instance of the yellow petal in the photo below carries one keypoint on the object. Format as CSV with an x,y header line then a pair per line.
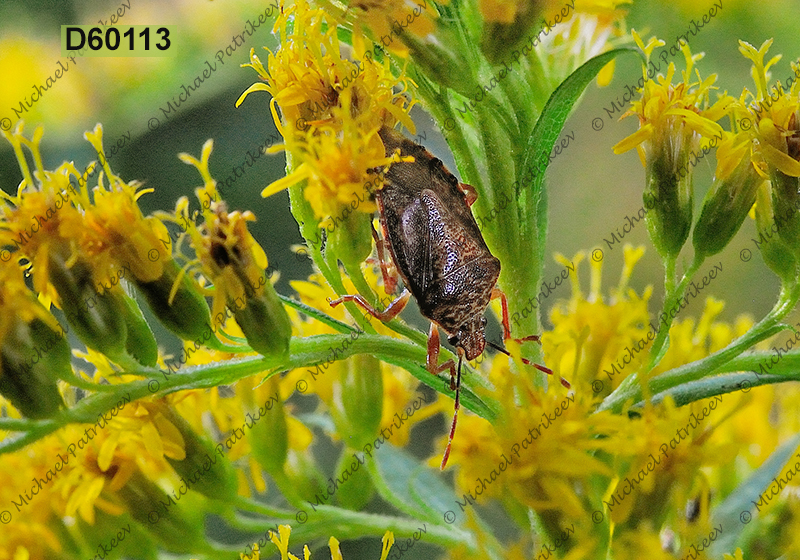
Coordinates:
x,y
259,86
783,162
644,133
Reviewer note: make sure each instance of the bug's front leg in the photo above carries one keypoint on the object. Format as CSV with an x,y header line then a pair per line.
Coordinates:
x,y
497,293
432,360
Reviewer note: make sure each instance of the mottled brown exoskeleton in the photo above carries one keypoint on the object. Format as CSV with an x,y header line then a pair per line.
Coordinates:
x,y
439,253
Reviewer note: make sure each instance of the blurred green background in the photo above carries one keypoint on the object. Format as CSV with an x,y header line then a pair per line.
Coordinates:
x,y
591,189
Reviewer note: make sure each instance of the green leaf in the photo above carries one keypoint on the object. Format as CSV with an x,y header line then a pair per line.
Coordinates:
x,y
419,490
718,385
304,353
737,510
555,113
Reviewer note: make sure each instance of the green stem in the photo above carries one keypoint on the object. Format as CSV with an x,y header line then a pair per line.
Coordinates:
x,y
326,521
305,352
671,298
248,504
767,327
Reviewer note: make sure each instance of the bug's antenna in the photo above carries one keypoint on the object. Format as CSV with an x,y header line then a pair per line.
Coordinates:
x,y
546,370
455,412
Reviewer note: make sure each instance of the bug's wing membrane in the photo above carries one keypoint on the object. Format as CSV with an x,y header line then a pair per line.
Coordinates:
x,y
454,270
404,215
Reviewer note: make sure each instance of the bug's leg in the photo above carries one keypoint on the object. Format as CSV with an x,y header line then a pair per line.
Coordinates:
x,y
432,360
469,193
387,267
455,412
391,311
507,335
455,381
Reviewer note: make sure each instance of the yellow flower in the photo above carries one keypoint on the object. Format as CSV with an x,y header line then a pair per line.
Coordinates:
x,y
546,444
37,220
774,113
596,26
112,231
591,339
673,112
332,109
281,541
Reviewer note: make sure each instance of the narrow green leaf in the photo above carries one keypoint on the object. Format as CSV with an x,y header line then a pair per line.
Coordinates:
x,y
718,385
418,487
305,353
737,510
555,113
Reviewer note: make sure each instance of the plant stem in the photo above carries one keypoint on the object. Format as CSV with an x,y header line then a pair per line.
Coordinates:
x,y
768,326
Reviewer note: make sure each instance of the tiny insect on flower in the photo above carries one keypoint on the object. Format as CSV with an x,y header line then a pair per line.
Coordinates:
x,y
440,254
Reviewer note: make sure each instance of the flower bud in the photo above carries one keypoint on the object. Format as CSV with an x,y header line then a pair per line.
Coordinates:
x,y
186,312
786,207
775,252
669,189
351,241
208,472
140,342
178,528
358,400
263,320
269,438
724,209
32,357
98,318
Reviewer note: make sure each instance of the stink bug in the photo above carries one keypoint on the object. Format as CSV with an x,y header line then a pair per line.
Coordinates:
x,y
440,254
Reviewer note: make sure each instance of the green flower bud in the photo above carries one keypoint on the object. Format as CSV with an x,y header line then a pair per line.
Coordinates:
x,y
352,468
263,319
204,470
351,241
358,400
178,528
269,437
98,319
186,314
776,253
785,206
140,343
724,209
32,358
669,192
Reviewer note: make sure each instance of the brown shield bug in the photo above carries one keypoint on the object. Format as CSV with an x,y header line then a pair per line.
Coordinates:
x,y
440,254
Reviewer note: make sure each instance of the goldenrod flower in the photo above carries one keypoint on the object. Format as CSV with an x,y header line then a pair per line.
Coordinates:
x,y
545,443
236,265
47,229
281,540
332,109
116,235
675,121
770,117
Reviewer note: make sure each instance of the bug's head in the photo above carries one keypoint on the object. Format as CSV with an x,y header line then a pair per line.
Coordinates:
x,y
471,337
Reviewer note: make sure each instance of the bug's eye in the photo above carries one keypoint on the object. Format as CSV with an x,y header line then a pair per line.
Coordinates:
x,y
483,321
453,340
